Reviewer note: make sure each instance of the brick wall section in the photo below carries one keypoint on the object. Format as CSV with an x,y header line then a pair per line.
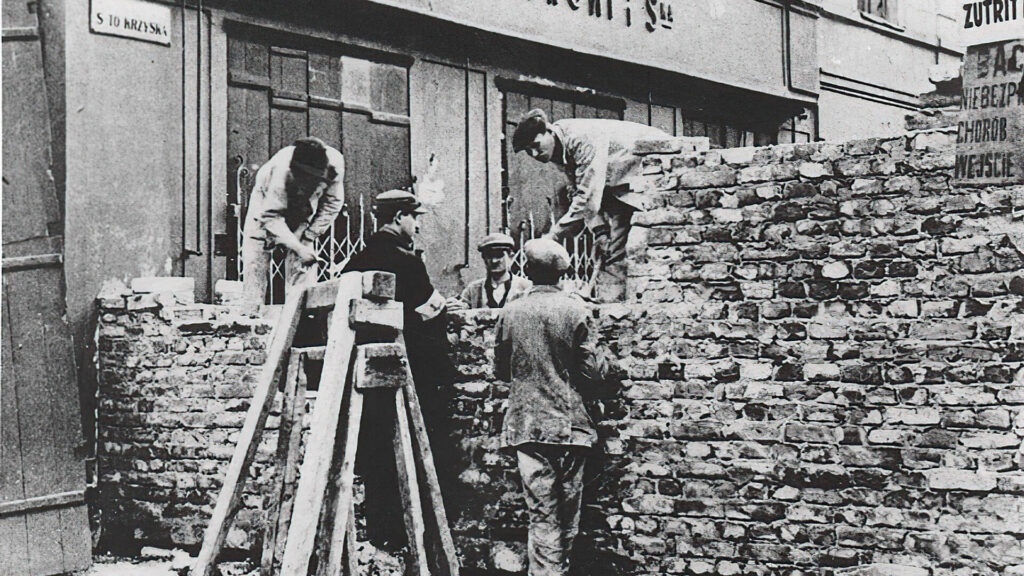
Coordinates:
x,y
821,363
175,382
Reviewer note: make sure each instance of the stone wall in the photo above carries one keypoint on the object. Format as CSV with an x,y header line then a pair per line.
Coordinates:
x,y
821,373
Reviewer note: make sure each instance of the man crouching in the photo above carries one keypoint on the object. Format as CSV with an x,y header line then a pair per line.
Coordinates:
x,y
546,349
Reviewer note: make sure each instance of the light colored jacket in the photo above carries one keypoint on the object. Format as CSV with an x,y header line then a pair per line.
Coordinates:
x,y
475,294
270,215
546,348
597,154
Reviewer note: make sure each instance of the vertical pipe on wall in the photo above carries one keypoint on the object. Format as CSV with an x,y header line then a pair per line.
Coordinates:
x,y
184,153
199,127
487,160
465,251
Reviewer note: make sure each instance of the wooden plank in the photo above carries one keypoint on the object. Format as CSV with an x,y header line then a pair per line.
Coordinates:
x,y
14,543
12,479
291,468
252,430
44,536
322,294
312,353
37,395
30,205
76,538
316,464
285,432
343,532
373,315
58,500
379,286
351,553
426,458
35,261
408,489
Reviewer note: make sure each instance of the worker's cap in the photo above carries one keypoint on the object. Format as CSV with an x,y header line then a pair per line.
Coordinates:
x,y
310,157
530,125
546,253
496,241
398,200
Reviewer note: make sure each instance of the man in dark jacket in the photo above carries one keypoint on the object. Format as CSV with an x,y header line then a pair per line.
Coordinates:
x,y
391,249
546,349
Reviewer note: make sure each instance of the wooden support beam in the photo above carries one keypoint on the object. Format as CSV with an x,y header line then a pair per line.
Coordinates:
x,y
315,353
409,489
426,457
376,285
343,527
367,314
289,435
316,465
322,295
252,430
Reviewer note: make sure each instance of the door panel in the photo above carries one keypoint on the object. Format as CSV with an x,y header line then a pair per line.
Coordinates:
x,y
42,471
439,130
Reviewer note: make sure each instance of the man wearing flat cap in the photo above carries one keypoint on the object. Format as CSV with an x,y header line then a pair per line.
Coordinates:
x,y
500,286
546,348
597,156
391,249
297,195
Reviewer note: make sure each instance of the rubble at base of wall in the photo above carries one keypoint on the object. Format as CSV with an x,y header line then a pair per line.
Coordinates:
x,y
820,370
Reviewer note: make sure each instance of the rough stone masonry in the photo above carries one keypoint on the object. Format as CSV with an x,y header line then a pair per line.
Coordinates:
x,y
822,372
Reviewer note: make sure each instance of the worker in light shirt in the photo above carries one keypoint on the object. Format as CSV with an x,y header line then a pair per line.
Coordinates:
x,y
297,195
605,176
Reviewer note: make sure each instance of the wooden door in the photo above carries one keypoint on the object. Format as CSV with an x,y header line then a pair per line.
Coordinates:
x,y
283,87
44,525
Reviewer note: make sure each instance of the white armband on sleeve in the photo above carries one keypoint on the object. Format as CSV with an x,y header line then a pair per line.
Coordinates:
x,y
432,307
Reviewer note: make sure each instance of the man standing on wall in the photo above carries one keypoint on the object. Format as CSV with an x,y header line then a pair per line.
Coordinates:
x,y
597,156
391,249
298,194
547,350
500,286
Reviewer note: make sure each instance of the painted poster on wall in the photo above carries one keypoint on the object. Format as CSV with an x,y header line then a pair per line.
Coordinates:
x,y
990,133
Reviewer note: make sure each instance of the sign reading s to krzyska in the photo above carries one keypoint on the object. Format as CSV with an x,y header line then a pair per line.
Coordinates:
x,y
132,19
990,133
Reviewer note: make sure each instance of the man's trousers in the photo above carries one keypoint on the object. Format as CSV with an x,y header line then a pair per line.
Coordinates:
x,y
256,260
553,482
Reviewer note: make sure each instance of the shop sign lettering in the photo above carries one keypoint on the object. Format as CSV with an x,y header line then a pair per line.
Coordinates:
x,y
652,14
132,19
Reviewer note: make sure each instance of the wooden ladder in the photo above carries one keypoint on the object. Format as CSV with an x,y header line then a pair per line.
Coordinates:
x,y
362,308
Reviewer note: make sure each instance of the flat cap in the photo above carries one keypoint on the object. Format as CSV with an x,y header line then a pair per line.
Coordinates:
x,y
496,240
530,124
546,253
310,157
398,200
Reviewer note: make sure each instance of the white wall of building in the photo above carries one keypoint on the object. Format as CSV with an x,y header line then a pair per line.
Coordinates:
x,y
873,68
